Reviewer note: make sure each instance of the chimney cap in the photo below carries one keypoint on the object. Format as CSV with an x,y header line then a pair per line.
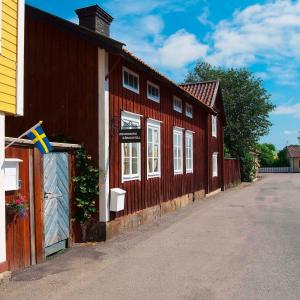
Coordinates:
x,y
94,10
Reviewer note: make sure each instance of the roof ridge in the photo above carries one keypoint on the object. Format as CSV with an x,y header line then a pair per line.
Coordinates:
x,y
200,82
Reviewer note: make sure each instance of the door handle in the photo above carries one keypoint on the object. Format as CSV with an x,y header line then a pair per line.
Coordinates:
x,y
47,195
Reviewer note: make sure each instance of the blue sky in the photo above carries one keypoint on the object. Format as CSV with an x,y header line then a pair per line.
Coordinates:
x,y
173,34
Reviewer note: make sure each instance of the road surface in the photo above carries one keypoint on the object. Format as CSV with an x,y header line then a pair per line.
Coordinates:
x,y
241,244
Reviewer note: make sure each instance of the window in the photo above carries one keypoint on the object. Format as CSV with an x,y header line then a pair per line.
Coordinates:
x,y
153,92
131,152
153,148
130,80
214,126
177,148
215,165
189,110
189,151
177,104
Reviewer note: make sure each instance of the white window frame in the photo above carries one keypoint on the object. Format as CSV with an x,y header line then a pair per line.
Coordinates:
x,y
154,125
189,135
215,164
214,126
128,87
188,114
150,97
134,118
176,108
178,131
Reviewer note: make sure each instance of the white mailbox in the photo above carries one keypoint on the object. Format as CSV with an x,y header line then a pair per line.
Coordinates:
x,y
11,174
117,199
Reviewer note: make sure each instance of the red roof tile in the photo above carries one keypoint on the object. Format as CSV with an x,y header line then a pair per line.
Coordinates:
x,y
293,151
205,92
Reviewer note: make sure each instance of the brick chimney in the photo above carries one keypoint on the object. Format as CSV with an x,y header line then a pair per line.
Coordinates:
x,y
95,18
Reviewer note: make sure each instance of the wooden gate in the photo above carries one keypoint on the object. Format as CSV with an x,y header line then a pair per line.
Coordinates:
x,y
56,201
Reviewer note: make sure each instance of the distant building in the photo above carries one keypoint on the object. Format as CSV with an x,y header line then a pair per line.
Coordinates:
x,y
294,157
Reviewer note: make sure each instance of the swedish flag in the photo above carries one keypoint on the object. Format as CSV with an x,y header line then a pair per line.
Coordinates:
x,y
40,140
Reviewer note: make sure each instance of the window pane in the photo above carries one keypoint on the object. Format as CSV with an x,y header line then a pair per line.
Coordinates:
x,y
155,165
150,150
135,83
134,165
134,149
155,151
150,135
126,81
126,166
155,133
150,165
130,82
126,149
179,164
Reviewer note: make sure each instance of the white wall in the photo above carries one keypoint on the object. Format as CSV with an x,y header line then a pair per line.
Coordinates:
x,y
2,192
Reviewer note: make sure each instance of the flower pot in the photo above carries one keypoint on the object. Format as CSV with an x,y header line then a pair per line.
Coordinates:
x,y
10,210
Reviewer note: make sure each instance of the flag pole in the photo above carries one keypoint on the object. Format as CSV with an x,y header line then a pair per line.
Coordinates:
x,y
25,133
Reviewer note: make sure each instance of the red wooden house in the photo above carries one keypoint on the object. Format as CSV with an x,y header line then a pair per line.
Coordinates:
x,y
87,88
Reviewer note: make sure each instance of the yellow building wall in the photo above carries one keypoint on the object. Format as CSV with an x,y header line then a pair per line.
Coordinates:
x,y
8,56
296,165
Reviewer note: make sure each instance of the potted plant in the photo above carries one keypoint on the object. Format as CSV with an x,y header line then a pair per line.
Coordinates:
x,y
17,207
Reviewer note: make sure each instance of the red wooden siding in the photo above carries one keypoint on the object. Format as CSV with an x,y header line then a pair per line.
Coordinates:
x,y
18,229
232,172
147,193
61,86
216,144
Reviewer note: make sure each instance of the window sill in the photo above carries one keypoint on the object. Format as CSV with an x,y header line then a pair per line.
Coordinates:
x,y
153,99
131,89
178,173
189,172
153,176
131,179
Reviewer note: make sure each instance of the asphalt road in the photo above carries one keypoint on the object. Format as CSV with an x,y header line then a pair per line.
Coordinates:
x,y
241,244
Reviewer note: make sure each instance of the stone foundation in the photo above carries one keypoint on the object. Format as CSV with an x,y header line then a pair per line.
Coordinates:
x,y
122,224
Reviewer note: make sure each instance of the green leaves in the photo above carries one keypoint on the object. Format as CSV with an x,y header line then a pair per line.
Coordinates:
x,y
247,106
86,186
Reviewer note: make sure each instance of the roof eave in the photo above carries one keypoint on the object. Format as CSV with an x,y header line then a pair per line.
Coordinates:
x,y
163,79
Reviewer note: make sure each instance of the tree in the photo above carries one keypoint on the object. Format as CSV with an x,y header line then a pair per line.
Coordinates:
x,y
282,159
247,107
267,155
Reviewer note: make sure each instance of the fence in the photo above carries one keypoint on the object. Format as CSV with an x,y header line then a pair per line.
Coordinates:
x,y
25,236
232,172
275,170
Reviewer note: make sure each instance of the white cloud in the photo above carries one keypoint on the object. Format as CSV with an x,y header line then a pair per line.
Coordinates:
x,y
203,17
180,49
265,33
292,110
144,7
290,132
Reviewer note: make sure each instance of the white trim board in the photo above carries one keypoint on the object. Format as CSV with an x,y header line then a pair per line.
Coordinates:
x,y
103,137
20,59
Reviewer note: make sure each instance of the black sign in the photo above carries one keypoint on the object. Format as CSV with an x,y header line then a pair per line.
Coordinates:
x,y
130,135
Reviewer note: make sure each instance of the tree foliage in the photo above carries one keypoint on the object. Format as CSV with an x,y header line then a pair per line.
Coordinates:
x,y
267,155
282,159
86,186
247,107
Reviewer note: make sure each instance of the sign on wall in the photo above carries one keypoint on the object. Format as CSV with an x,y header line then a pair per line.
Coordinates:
x,y
130,135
